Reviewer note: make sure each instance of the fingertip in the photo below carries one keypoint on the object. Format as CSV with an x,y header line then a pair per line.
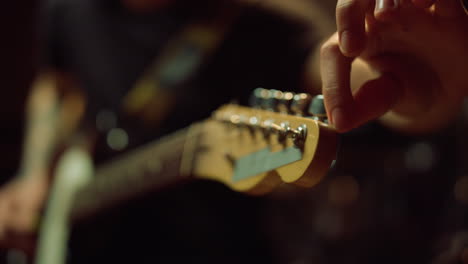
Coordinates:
x,y
387,15
350,22
341,119
335,70
386,10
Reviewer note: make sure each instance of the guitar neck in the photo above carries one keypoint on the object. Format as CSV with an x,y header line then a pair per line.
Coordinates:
x,y
153,167
232,147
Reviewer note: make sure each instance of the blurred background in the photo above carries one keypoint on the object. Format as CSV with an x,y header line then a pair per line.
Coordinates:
x,y
19,56
390,198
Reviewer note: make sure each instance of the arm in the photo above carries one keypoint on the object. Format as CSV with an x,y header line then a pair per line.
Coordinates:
x,y
53,111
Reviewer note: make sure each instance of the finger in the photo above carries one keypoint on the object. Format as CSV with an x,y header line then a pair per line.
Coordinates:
x,y
350,20
385,10
449,8
371,100
335,71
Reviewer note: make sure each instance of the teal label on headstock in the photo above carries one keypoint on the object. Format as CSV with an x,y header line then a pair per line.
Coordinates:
x,y
264,161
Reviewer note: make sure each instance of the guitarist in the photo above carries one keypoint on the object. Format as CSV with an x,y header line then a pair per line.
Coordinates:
x,y
97,51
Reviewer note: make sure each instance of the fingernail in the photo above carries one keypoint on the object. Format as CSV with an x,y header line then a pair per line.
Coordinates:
x,y
383,5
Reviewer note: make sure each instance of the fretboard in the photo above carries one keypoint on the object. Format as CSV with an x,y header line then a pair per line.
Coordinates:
x,y
147,169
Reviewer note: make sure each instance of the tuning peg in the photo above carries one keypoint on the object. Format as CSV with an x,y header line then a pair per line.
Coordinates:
x,y
284,103
256,97
317,108
300,103
266,127
273,101
284,130
261,99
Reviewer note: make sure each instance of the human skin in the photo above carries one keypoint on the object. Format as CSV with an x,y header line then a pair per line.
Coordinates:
x,y
411,59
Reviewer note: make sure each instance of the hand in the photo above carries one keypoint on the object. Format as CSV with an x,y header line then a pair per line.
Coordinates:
x,y
417,51
21,202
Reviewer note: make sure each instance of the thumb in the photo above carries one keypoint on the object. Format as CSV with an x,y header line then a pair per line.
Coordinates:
x,y
376,97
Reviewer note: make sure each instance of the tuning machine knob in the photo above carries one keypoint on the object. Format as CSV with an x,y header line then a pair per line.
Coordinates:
x,y
256,98
261,98
272,100
275,97
284,130
300,103
284,103
317,108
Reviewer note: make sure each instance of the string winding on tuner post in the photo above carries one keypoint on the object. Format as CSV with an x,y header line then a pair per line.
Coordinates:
x,y
301,104
283,129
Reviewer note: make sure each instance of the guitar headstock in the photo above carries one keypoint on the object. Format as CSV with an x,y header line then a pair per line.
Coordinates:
x,y
253,149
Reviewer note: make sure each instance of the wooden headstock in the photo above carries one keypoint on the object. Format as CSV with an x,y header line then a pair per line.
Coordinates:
x,y
254,150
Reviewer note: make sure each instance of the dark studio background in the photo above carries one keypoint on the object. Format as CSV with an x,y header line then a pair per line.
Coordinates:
x,y
18,52
390,198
